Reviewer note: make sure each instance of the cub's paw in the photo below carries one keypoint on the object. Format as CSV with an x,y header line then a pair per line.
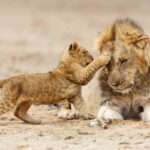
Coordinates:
x,y
68,114
97,123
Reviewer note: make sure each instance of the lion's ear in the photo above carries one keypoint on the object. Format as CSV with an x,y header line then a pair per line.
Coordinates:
x,y
73,47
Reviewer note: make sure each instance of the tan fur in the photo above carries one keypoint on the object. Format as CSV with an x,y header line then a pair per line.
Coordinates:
x,y
76,68
125,80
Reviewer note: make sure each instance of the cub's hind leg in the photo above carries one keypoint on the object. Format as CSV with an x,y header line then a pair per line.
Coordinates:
x,y
21,112
9,94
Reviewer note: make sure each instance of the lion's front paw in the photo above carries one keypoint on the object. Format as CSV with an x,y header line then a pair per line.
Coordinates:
x,y
106,115
87,116
145,115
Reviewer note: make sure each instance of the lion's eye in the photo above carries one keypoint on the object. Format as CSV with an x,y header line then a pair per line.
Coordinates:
x,y
122,61
141,44
128,34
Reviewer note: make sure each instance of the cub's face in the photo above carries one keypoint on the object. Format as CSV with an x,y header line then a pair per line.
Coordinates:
x,y
80,54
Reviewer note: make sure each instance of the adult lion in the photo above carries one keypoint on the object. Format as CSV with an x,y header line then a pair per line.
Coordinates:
x,y
125,81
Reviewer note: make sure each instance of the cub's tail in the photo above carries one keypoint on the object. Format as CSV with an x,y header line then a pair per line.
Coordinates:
x,y
6,106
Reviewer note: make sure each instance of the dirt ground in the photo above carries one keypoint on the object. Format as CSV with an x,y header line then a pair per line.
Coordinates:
x,y
33,35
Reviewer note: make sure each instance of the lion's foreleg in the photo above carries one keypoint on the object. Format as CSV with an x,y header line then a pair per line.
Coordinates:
x,y
145,115
106,114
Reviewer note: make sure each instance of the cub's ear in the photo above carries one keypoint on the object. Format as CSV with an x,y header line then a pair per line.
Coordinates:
x,y
73,46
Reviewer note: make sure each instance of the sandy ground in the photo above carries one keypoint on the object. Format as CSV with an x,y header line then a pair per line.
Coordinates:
x,y
33,35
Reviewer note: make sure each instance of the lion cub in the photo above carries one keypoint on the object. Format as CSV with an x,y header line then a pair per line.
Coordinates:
x,y
76,68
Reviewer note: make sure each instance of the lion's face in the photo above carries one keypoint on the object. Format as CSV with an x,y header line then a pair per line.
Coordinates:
x,y
80,54
128,62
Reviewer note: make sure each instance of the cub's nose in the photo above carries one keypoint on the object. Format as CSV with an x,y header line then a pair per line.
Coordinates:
x,y
92,58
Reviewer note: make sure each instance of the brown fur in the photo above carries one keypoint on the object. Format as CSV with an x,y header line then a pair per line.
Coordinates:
x,y
75,69
125,81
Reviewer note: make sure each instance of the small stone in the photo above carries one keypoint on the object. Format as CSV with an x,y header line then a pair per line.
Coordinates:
x,y
68,138
24,147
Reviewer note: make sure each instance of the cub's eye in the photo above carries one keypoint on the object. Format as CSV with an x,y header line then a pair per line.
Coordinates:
x,y
85,52
122,61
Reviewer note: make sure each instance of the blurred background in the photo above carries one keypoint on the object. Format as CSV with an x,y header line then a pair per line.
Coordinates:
x,y
34,33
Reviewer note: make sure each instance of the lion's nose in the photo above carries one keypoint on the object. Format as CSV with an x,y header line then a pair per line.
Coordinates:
x,y
114,80
140,109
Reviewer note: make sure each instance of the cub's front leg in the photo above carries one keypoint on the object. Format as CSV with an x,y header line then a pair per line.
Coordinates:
x,y
67,111
82,75
81,107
